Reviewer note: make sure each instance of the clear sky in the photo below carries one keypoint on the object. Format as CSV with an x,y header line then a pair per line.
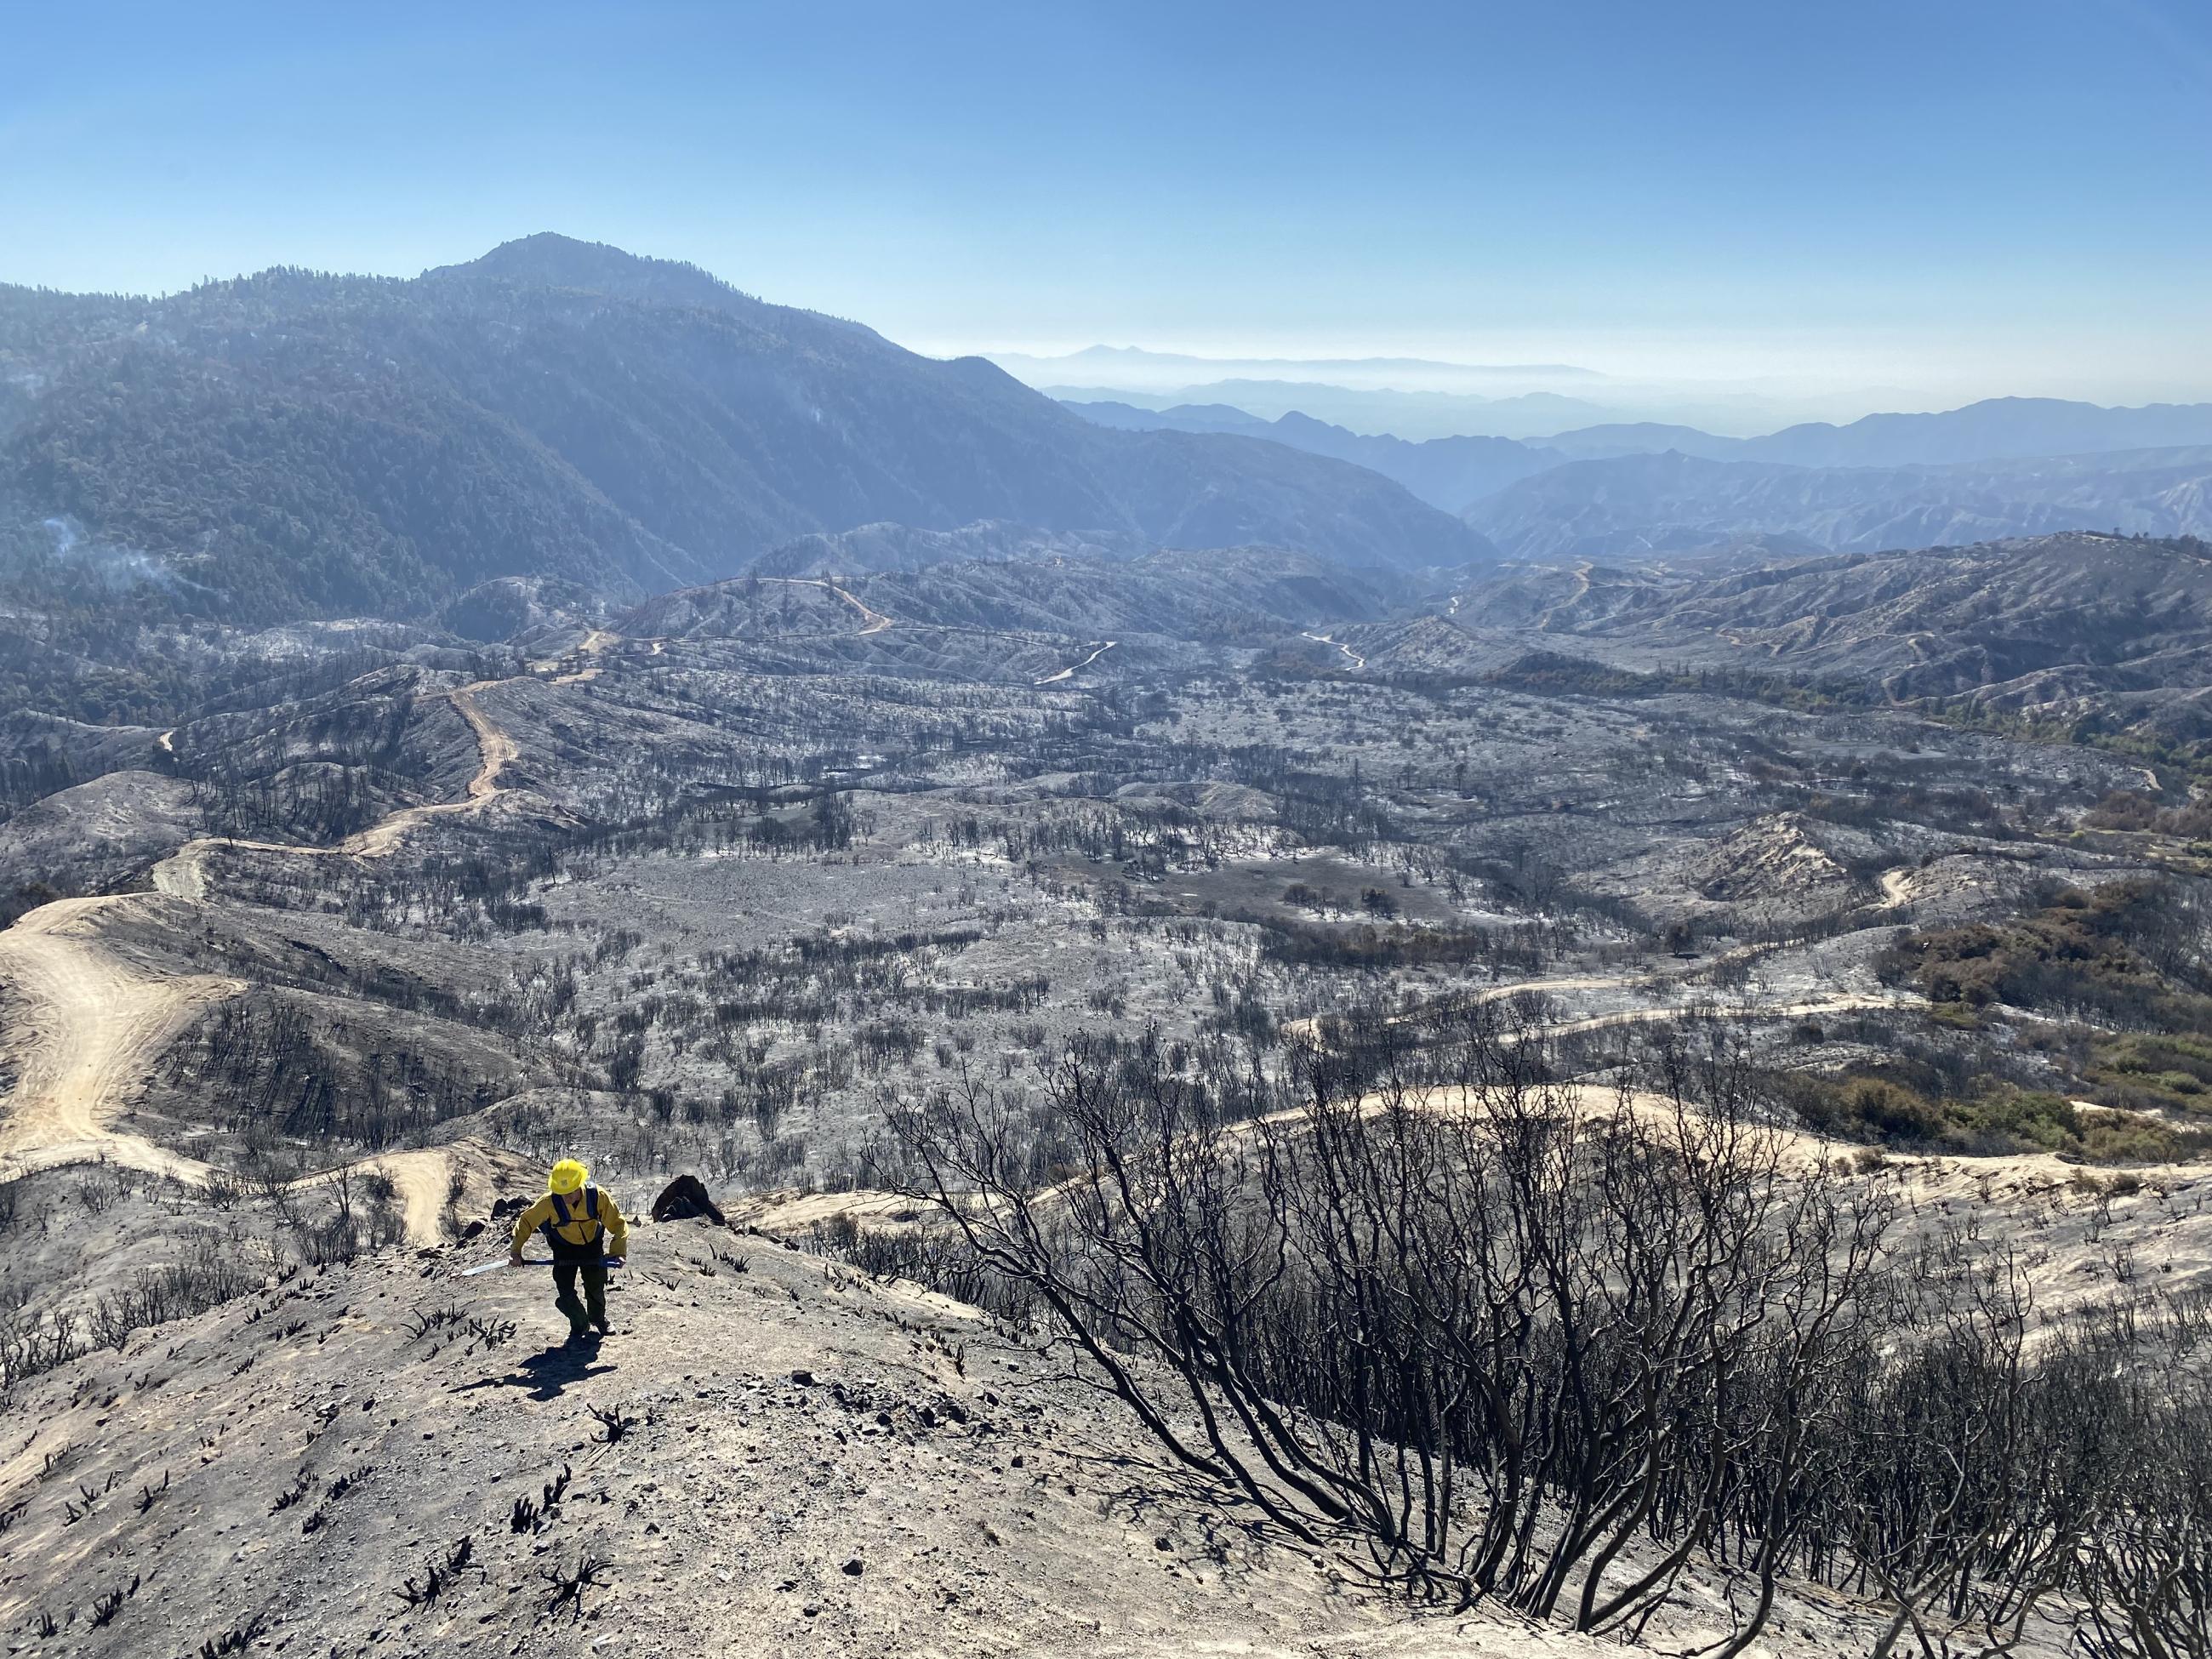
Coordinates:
x,y
1992,197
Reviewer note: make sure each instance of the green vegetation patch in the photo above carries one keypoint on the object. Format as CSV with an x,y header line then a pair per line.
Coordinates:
x,y
1879,1109
2098,957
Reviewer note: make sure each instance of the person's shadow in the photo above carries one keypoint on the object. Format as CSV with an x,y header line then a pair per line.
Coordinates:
x,y
545,1375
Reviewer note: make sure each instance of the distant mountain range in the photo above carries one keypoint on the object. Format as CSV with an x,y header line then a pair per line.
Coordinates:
x,y
1446,472
293,444
2008,467
1996,430
1636,506
1135,368
1411,415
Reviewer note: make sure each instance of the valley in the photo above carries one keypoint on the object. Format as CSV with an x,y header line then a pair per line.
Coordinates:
x,y
1050,884
755,875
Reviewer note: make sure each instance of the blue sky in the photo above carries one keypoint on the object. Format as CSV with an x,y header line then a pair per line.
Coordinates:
x,y
1986,197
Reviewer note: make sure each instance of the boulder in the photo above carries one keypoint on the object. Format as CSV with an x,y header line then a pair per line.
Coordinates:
x,y
682,1197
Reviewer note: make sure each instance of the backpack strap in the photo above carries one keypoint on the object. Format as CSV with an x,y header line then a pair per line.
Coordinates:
x,y
565,1214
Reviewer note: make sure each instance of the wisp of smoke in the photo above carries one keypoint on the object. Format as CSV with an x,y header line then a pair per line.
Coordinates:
x,y
117,567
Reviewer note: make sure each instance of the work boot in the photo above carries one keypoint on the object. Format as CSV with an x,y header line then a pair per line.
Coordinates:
x,y
579,1336
602,1326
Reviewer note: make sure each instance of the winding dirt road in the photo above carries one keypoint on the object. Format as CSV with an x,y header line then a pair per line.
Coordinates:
x,y
1074,669
88,1025
183,874
1350,655
96,1024
871,621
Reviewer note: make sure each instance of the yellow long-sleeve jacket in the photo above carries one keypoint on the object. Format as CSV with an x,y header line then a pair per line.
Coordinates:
x,y
577,1220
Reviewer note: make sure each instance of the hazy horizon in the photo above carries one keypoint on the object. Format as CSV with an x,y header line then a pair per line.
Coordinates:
x,y
1972,201
1843,384
1741,394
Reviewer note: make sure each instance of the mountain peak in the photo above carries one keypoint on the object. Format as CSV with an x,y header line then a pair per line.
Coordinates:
x,y
549,259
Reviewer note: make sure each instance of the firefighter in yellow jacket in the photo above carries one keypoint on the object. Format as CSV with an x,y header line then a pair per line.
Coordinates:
x,y
585,1232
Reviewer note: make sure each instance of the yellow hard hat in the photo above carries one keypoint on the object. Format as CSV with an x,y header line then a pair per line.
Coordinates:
x,y
567,1177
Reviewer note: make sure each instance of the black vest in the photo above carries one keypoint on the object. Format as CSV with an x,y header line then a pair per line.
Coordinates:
x,y
593,1247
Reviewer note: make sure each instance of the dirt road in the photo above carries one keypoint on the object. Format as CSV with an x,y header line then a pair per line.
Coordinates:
x,y
183,874
90,1025
1305,1028
1350,655
418,1178
598,641
871,621
1074,669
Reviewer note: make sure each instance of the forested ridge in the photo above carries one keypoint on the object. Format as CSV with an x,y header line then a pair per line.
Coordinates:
x,y
293,445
